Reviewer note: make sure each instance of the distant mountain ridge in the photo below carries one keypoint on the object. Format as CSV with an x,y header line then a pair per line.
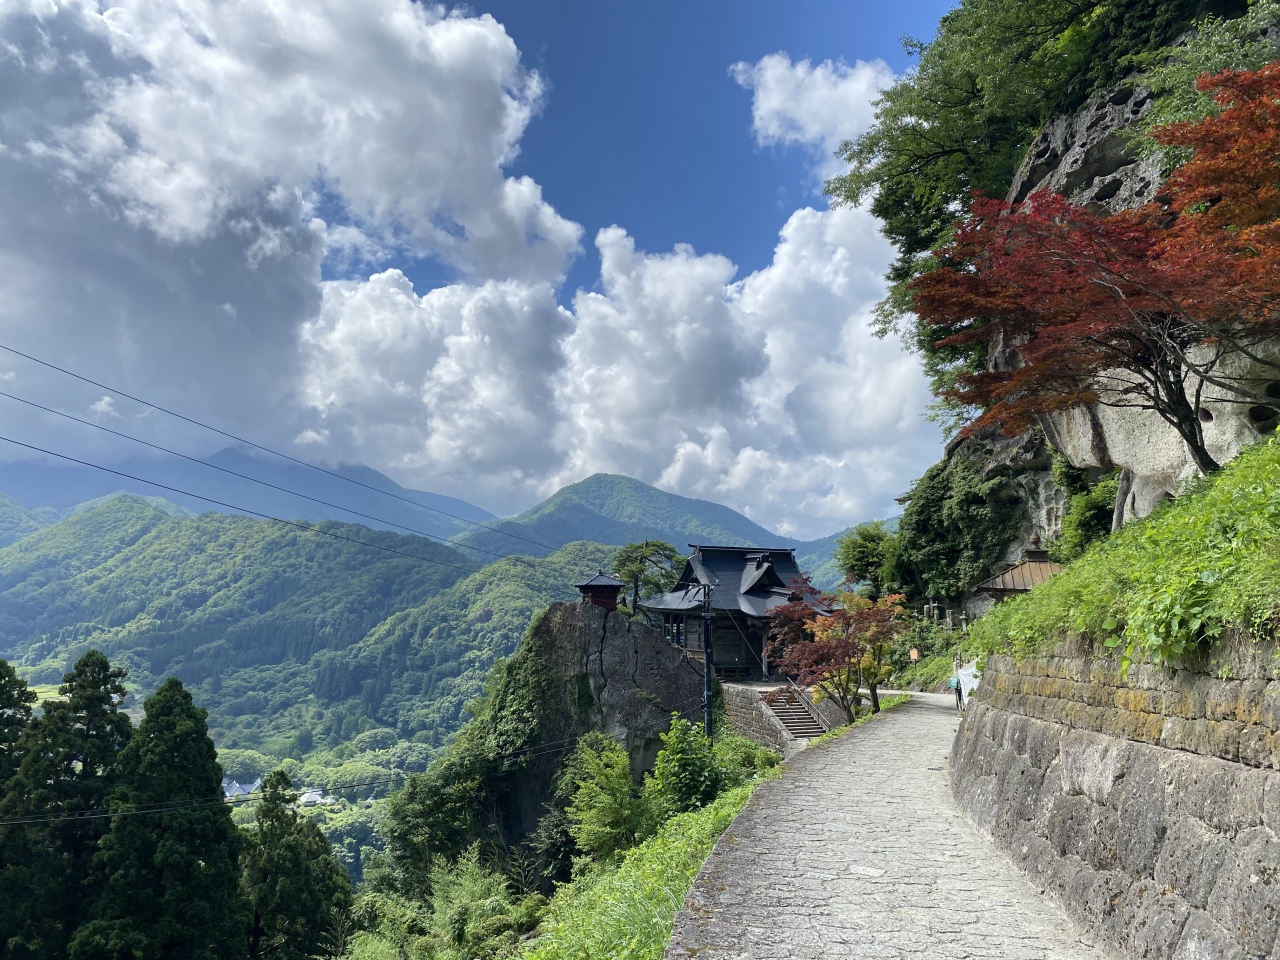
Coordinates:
x,y
36,485
604,508
613,509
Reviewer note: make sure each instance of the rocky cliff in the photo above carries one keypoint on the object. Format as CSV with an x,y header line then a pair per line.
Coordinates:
x,y
621,676
1086,158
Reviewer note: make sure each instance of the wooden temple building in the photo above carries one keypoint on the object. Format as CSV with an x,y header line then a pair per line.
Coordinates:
x,y
744,585
1034,569
601,590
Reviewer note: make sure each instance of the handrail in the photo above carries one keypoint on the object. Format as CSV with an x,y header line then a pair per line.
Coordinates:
x,y
808,704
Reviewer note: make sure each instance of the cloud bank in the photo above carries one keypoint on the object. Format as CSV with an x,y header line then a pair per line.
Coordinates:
x,y
218,205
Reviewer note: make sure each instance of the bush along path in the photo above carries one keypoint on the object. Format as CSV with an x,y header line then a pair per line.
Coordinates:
x,y
858,851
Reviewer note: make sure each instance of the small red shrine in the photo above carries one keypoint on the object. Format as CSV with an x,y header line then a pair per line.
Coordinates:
x,y
601,590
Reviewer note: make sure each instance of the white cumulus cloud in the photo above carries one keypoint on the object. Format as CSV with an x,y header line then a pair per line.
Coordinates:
x,y
217,204
813,106
455,384
176,173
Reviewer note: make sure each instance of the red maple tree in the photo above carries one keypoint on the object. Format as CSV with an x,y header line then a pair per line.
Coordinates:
x,y
843,648
1145,309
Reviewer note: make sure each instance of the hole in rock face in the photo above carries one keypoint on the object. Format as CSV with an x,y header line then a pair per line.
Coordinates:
x,y
1273,390
1261,416
1108,190
1204,415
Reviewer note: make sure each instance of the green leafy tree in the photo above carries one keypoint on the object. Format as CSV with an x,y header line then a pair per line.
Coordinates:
x,y
955,526
15,714
299,893
1088,519
606,815
962,119
651,568
172,887
68,768
868,554
686,775
1241,43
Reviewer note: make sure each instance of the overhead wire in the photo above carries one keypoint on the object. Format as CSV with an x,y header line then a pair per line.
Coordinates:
x,y
243,476
266,449
310,528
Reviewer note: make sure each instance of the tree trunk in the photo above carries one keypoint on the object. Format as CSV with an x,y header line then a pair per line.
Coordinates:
x,y
255,936
1124,487
874,690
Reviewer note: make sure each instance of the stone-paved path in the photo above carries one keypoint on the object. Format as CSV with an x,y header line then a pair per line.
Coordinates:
x,y
858,851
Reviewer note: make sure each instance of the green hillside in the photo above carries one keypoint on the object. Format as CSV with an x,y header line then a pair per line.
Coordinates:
x,y
16,521
611,509
296,643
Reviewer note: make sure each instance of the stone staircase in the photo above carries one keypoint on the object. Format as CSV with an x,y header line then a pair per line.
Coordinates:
x,y
786,706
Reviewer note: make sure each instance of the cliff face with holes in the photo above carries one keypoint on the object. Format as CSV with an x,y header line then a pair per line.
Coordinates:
x,y
1148,804
1086,158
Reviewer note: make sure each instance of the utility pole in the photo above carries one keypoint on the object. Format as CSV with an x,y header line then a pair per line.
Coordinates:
x,y
706,657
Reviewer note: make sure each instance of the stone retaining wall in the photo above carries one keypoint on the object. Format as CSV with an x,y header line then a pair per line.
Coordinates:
x,y
751,717
1148,804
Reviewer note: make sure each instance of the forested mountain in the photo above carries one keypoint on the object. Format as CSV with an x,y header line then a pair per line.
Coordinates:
x,y
16,521
603,508
296,642
612,509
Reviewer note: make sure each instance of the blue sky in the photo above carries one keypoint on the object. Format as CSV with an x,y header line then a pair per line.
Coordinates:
x,y
489,250
644,127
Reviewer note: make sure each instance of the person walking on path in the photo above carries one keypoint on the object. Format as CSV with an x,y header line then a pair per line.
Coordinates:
x,y
955,685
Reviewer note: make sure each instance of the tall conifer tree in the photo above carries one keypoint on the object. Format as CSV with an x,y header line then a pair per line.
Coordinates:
x,y
299,893
15,714
172,887
67,769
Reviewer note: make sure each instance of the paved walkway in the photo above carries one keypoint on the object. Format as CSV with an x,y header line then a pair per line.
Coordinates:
x,y
858,851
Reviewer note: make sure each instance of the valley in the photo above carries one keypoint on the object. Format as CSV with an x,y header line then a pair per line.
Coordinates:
x,y
297,642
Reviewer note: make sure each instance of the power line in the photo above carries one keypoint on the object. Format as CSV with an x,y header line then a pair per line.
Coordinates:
x,y
264,449
243,476
231,506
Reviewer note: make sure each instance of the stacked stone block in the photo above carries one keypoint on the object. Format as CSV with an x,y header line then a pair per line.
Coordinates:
x,y
1147,802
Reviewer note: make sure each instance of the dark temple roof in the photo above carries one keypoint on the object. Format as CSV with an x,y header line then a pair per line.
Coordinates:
x,y
750,580
601,579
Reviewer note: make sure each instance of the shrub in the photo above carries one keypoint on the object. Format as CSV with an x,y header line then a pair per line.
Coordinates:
x,y
606,815
1159,587
686,775
626,912
1088,520
741,759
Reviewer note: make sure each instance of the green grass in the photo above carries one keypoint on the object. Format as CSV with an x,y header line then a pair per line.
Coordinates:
x,y
626,913
927,673
1204,563
886,703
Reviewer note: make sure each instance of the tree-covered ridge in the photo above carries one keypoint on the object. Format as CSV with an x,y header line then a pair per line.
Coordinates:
x,y
607,508
295,642
16,521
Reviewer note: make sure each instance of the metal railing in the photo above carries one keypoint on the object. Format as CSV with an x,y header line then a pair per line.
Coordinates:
x,y
803,696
